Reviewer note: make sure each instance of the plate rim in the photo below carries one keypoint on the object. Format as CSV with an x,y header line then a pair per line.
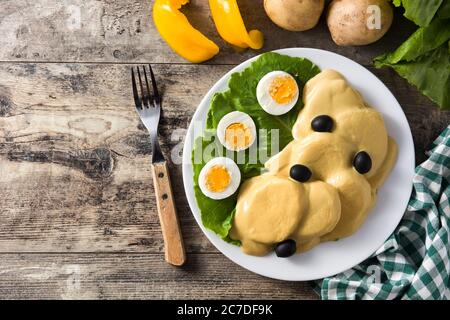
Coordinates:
x,y
217,242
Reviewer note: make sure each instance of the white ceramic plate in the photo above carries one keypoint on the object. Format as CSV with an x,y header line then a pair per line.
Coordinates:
x,y
327,258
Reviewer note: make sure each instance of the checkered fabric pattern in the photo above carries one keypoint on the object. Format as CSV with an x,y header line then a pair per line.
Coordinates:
x,y
414,263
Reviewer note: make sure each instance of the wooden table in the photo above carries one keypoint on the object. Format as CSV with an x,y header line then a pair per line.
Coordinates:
x,y
77,211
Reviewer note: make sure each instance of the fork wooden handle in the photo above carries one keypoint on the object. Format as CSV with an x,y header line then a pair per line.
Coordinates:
x,y
173,240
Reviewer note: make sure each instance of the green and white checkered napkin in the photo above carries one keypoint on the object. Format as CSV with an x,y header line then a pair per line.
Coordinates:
x,y
414,263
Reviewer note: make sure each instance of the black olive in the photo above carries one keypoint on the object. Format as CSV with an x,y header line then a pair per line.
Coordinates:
x,y
286,248
362,162
300,173
322,123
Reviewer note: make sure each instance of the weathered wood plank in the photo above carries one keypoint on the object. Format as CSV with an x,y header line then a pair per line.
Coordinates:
x,y
74,159
136,276
123,31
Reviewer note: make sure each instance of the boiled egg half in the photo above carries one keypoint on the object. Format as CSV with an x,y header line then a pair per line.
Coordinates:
x,y
236,131
219,178
277,92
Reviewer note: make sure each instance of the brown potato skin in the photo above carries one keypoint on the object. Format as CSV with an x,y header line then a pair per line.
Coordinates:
x,y
347,21
294,15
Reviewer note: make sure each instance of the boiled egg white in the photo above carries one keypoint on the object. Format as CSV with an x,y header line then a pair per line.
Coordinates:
x,y
277,92
236,131
219,178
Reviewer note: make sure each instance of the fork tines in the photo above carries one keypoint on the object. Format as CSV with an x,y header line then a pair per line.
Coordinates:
x,y
146,98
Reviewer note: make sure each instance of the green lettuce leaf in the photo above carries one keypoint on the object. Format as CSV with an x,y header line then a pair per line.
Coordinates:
x,y
424,59
421,12
444,10
217,215
419,43
430,74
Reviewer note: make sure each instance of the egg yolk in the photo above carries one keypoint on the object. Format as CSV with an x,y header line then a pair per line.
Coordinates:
x,y
283,89
238,135
217,178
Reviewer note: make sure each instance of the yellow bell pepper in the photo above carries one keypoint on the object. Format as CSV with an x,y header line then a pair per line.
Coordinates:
x,y
231,27
179,34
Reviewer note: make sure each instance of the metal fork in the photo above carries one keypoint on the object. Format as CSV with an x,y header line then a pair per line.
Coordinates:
x,y
148,106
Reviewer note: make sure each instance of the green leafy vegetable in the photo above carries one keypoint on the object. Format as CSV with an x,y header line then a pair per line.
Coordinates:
x,y
444,10
419,43
217,215
424,58
430,73
419,11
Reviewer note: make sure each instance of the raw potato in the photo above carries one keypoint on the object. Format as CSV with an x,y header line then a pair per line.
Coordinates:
x,y
294,15
348,21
